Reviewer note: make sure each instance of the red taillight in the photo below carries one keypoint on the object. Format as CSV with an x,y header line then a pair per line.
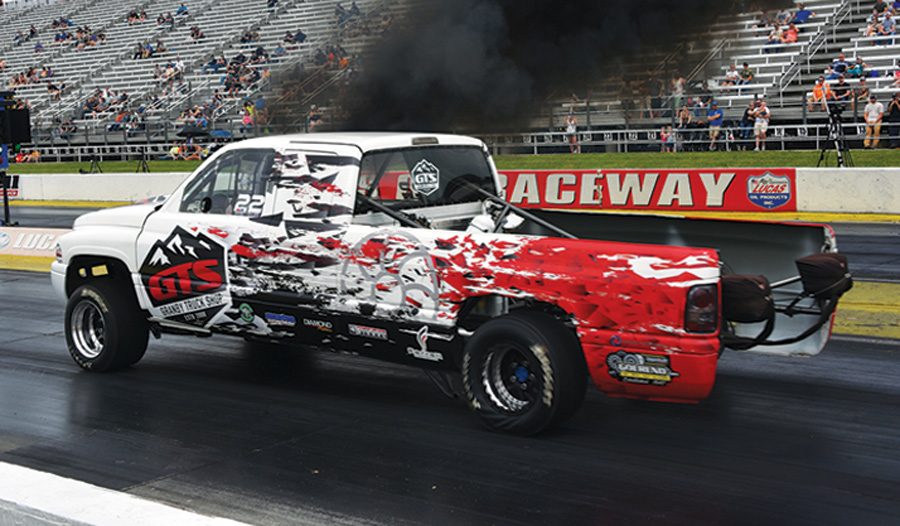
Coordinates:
x,y
701,314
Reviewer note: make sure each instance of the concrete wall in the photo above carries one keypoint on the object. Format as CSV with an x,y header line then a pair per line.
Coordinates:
x,y
860,190
97,187
854,190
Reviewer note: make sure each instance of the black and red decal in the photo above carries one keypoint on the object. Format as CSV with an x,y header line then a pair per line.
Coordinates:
x,y
185,276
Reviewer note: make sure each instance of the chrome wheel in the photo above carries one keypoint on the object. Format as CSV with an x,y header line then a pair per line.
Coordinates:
x,y
87,329
509,378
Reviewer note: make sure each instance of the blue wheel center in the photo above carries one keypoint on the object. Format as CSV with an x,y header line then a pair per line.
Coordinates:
x,y
522,373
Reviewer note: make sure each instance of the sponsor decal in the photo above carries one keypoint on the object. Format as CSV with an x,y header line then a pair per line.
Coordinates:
x,y
12,186
422,352
683,190
246,312
425,178
194,309
769,191
639,368
185,266
283,320
322,325
38,242
373,333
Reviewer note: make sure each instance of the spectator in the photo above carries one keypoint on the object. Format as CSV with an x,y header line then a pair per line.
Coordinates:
x,y
279,51
747,121
666,138
731,76
783,17
571,124
790,34
678,88
820,96
270,4
761,125
874,113
841,92
182,11
881,7
247,119
837,68
714,119
314,120
886,29
873,23
894,119
861,93
858,69
684,117
802,15
776,37
67,129
746,75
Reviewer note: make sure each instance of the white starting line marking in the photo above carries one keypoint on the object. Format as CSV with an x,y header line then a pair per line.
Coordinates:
x,y
30,497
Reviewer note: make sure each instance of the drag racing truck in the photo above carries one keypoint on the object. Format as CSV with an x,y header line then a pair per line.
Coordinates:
x,y
400,247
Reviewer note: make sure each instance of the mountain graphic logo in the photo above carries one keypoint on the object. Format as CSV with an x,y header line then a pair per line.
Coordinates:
x,y
183,265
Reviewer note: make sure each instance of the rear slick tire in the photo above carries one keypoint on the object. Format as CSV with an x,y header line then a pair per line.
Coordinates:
x,y
105,330
524,373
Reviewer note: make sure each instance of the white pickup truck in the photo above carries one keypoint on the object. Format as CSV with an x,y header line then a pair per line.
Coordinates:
x,y
399,247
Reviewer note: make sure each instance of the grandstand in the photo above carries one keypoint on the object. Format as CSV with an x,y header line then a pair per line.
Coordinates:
x,y
167,91
615,119
97,69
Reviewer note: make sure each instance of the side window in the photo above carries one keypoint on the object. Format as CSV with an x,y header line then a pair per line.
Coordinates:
x,y
235,184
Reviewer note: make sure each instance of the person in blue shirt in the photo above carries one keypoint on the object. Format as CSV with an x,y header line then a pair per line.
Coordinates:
x,y
714,119
888,25
802,15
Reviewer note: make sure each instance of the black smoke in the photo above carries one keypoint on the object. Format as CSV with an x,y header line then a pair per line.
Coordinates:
x,y
467,65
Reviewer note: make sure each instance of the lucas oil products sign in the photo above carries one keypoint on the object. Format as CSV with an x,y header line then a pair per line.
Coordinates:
x,y
35,242
731,190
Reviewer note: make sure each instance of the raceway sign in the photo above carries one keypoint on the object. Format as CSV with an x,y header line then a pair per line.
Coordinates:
x,y
733,190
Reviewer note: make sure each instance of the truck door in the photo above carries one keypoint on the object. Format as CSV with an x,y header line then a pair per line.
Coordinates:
x,y
189,250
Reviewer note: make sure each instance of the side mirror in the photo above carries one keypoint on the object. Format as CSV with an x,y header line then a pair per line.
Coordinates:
x,y
205,205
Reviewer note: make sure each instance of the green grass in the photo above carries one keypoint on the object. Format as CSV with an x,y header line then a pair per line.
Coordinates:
x,y
106,166
767,159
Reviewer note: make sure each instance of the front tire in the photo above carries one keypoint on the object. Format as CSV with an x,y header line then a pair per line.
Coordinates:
x,y
105,330
523,373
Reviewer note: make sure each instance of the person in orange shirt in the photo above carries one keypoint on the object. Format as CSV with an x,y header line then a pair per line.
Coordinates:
x,y
821,95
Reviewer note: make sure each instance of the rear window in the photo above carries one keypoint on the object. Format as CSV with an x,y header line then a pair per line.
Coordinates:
x,y
410,177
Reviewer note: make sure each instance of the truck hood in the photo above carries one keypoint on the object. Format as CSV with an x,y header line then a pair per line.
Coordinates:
x,y
130,216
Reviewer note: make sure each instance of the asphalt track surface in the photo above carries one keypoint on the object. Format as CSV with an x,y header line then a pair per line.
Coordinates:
x,y
315,438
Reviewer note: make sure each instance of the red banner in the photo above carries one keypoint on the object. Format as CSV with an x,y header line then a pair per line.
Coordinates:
x,y
731,190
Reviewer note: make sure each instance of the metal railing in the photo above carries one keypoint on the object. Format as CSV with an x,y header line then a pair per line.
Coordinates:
x,y
730,138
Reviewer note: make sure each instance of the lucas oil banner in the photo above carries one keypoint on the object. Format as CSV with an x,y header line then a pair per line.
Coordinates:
x,y
730,190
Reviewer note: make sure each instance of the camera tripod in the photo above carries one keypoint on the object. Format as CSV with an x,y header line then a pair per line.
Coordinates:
x,y
836,140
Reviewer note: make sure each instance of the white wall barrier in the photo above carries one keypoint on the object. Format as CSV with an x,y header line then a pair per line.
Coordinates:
x,y
851,190
97,187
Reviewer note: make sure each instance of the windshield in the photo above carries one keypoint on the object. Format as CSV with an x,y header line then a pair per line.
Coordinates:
x,y
412,177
